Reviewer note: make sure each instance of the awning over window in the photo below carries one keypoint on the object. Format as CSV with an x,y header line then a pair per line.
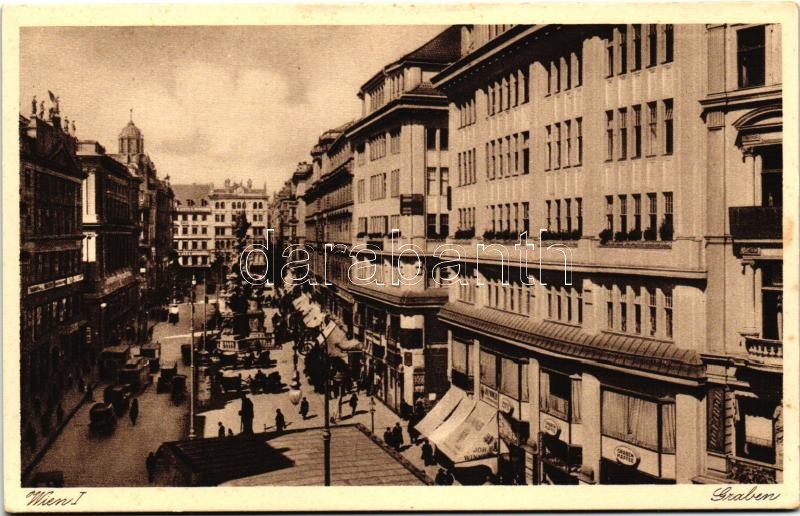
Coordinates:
x,y
464,409
474,439
313,317
441,411
339,344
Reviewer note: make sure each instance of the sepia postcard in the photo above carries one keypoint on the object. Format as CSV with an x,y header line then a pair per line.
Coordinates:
x,y
374,257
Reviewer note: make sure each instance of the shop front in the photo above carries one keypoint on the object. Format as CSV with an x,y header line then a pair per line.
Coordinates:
x,y
637,439
560,428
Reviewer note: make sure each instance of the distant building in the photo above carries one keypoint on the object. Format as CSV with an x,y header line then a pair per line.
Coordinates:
x,y
155,217
110,200
192,227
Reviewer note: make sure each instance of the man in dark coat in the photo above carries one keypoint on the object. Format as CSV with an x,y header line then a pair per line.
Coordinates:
x,y
427,453
247,415
353,404
304,408
388,437
134,411
221,429
150,463
397,436
441,478
280,421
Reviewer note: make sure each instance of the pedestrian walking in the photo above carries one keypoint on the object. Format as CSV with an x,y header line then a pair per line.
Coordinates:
x,y
388,437
221,430
304,408
397,436
353,404
280,421
150,463
134,411
427,453
441,478
230,432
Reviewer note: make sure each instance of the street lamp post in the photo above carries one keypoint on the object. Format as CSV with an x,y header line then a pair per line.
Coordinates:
x,y
191,366
372,413
326,432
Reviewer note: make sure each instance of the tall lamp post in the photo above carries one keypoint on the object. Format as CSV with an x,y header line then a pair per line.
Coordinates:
x,y
191,366
326,432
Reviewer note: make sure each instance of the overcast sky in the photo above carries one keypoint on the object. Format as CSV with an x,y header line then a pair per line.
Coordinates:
x,y
212,102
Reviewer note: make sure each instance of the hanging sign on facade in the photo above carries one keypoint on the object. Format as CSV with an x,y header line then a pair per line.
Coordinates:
x,y
626,456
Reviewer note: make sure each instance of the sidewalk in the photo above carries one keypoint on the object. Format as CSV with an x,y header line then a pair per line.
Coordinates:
x,y
265,406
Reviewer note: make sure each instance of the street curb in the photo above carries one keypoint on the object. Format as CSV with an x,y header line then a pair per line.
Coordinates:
x,y
397,456
27,470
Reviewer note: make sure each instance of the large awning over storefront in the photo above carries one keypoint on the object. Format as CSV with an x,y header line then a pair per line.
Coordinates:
x,y
475,438
313,317
449,425
443,409
339,344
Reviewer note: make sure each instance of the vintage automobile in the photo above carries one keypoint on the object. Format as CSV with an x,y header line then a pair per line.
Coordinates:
x,y
230,380
152,352
102,418
178,392
165,378
119,396
186,354
174,313
112,360
136,374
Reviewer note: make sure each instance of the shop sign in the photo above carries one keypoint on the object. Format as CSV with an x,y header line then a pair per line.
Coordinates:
x,y
419,381
489,395
550,427
490,446
412,204
506,404
626,456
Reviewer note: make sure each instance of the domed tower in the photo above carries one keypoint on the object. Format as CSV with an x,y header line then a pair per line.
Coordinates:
x,y
130,139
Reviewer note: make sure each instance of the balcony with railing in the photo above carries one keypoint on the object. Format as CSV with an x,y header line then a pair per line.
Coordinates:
x,y
767,351
756,222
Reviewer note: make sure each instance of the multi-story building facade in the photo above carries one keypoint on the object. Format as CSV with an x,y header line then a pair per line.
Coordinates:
x,y
52,323
329,215
192,228
110,223
234,198
579,134
156,260
401,173
743,115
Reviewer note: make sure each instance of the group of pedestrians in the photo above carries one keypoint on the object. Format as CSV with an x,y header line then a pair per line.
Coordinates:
x,y
394,436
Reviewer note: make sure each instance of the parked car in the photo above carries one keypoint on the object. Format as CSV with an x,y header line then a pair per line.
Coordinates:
x,y
102,418
178,392
119,396
112,360
152,351
165,378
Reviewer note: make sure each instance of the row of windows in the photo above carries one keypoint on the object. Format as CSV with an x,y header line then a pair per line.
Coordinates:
x,y
190,244
335,198
377,186
622,227
565,72
618,47
43,319
56,208
437,180
509,156
568,216
639,310
377,147
238,205
435,136
654,146
467,168
510,217
185,230
559,144
193,260
503,374
194,217
513,297
508,91
466,218
467,113
54,265
118,252
565,303
440,230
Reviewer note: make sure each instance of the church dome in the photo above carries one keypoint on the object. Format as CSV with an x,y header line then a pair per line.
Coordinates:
x,y
130,131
